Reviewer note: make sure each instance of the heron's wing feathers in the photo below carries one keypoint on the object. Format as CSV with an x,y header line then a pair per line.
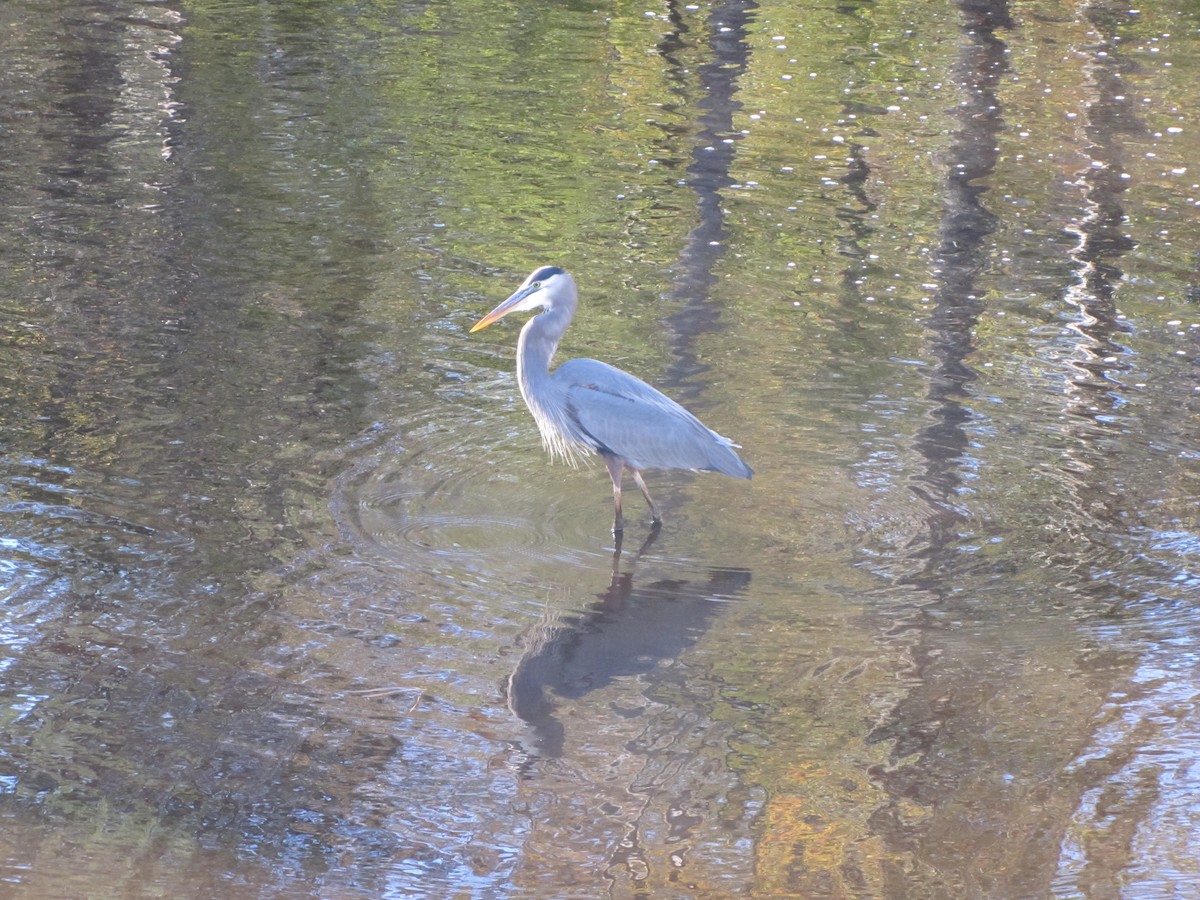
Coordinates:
x,y
628,418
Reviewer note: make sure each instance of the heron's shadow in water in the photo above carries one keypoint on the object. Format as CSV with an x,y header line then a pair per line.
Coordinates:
x,y
628,632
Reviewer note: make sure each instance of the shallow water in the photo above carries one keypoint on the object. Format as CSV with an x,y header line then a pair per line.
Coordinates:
x,y
293,603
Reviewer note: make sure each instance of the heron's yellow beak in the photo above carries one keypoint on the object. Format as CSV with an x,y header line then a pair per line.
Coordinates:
x,y
494,316
503,309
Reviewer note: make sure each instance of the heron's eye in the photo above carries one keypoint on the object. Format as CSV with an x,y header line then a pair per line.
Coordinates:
x,y
536,284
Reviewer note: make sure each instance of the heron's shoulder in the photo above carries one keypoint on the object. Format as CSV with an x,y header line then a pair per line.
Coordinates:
x,y
600,376
574,369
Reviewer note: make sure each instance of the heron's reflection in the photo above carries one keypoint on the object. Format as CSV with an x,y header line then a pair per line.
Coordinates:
x,y
628,631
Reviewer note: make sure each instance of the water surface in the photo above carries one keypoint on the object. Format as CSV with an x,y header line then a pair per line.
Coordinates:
x,y
293,604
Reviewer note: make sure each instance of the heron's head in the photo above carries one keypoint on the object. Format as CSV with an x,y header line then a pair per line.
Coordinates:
x,y
544,287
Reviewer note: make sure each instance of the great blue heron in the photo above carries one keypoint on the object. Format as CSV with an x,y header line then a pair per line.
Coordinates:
x,y
586,406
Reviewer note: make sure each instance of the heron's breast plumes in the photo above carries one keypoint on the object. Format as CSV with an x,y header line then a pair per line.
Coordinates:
x,y
560,435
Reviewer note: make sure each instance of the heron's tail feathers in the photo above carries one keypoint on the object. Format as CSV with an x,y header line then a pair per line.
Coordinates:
x,y
726,461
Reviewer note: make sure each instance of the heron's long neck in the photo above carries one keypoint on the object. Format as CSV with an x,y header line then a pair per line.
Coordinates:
x,y
544,396
539,339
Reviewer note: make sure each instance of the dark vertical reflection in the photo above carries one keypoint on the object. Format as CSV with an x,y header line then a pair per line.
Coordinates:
x,y
914,725
1094,392
857,214
962,256
1094,395
1125,773
712,155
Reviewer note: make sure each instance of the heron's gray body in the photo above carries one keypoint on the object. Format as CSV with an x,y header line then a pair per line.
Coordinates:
x,y
604,410
586,406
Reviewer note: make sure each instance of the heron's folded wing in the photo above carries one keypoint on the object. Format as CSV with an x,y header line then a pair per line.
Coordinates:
x,y
640,424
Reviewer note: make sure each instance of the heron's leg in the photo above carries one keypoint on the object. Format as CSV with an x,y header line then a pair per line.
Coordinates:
x,y
637,477
616,466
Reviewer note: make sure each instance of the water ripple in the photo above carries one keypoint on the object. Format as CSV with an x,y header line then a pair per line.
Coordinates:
x,y
424,501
